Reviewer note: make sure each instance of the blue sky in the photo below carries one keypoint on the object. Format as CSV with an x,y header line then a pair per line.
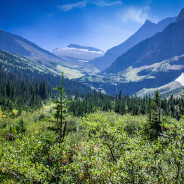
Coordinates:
x,y
98,23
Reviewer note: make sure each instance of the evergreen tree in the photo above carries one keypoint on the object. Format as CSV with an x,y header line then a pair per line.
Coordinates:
x,y
171,106
155,124
119,96
61,107
149,109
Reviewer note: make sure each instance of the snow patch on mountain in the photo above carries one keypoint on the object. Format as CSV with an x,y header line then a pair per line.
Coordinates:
x,y
78,52
180,79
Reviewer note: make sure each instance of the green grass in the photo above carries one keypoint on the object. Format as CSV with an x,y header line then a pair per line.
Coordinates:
x,y
71,73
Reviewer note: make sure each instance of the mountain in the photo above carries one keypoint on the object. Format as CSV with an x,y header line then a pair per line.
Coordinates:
x,y
175,87
134,79
27,70
146,31
78,53
181,15
16,64
84,47
163,45
18,45
152,63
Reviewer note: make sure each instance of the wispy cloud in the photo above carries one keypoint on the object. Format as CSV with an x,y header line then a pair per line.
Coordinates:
x,y
105,3
135,14
68,7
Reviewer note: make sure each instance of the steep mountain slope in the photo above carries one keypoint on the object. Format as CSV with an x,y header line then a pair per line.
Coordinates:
x,y
133,79
146,31
31,51
152,63
78,53
17,64
19,45
175,87
163,45
25,69
181,15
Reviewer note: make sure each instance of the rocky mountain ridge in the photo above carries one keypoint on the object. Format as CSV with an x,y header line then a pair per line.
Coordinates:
x,y
147,30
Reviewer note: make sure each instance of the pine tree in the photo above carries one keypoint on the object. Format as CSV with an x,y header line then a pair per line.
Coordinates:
x,y
155,124
171,106
119,96
149,109
61,109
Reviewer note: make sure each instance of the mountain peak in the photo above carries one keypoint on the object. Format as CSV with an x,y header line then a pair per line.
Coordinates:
x,y
73,46
181,15
148,22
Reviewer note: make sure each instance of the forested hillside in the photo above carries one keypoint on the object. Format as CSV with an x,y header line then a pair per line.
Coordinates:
x,y
20,94
25,85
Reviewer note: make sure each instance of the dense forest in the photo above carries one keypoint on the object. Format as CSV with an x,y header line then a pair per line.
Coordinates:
x,y
18,93
25,84
133,105
26,93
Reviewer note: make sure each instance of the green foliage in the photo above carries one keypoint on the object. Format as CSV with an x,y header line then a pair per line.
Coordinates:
x,y
123,105
102,147
20,128
158,111
155,121
24,84
20,94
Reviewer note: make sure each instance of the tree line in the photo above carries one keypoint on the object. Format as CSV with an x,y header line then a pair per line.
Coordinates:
x,y
20,94
134,105
25,93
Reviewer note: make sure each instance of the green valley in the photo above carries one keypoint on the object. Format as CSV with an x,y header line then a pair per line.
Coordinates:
x,y
81,113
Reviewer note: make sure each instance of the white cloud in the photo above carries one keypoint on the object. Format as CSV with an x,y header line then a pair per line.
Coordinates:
x,y
68,7
134,14
105,3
